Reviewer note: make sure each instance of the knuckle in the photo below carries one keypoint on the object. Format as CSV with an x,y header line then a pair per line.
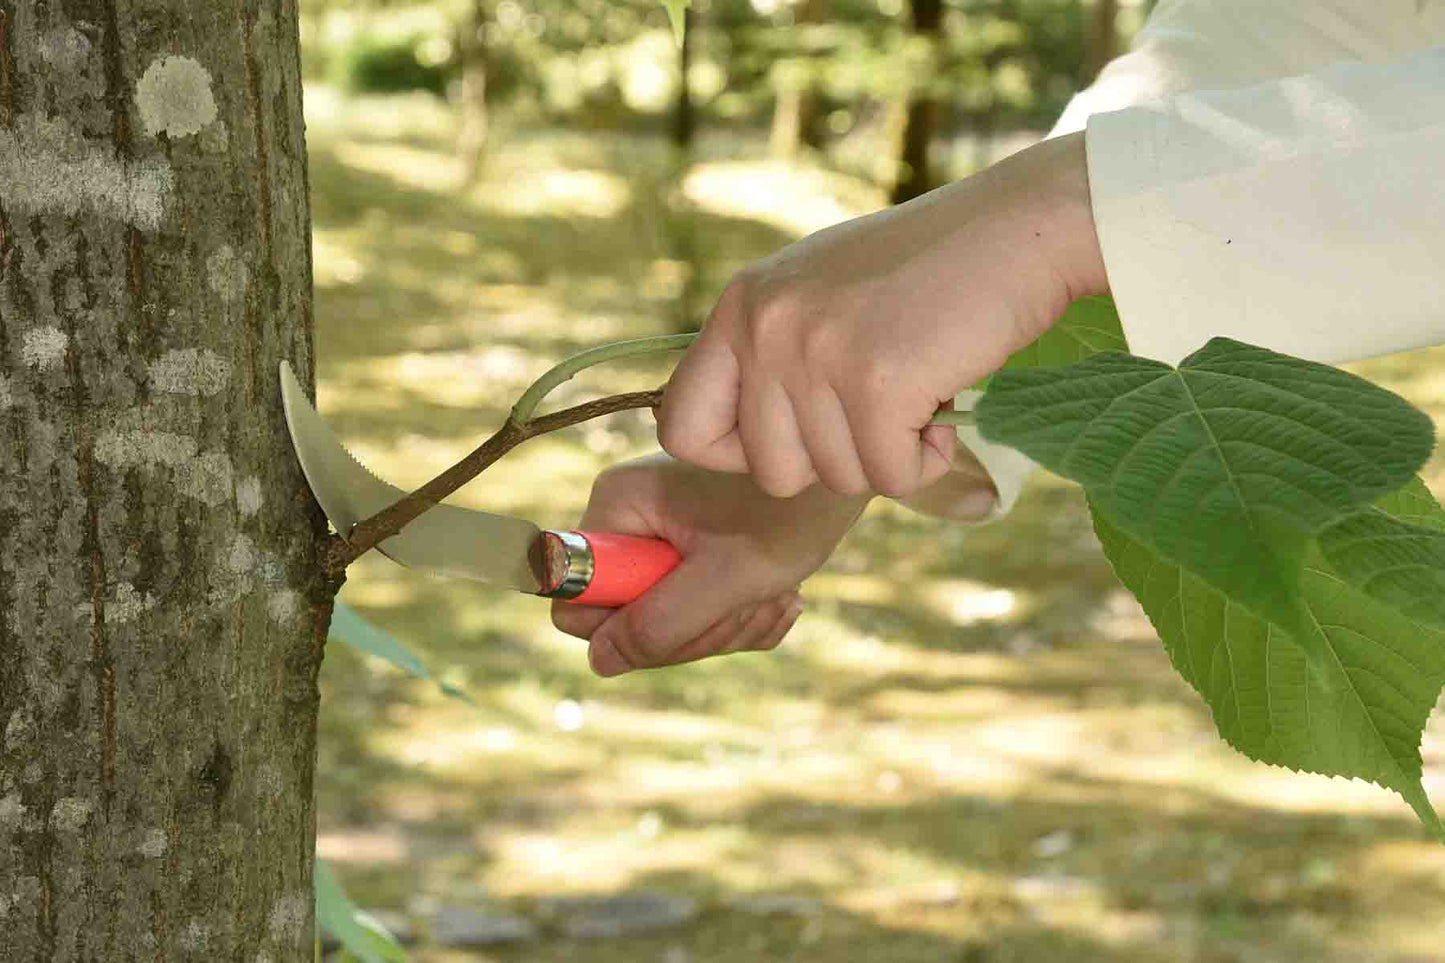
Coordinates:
x,y
774,319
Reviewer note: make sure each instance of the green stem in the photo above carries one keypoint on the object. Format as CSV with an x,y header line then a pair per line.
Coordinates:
x,y
952,418
532,397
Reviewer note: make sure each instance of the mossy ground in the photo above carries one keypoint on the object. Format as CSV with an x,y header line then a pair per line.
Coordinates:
x,y
972,748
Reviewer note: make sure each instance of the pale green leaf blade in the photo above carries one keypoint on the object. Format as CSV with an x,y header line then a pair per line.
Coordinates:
x,y
1088,327
348,626
1362,717
1226,465
1399,562
360,934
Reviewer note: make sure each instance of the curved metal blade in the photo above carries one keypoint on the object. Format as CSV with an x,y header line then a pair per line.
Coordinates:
x,y
444,540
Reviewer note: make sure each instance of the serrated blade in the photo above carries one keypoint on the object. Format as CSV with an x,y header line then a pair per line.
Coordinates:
x,y
443,540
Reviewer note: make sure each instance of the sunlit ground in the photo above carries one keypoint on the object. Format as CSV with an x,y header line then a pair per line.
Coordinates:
x,y
972,748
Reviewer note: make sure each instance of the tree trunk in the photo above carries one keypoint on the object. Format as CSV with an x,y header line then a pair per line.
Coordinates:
x,y
161,613
797,113
915,176
684,117
1103,45
472,141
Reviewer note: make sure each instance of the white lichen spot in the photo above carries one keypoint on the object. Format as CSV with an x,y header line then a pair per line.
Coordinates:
x,y
12,812
65,49
7,400
210,479
196,937
288,917
71,813
248,495
228,274
174,97
282,606
242,557
47,167
128,603
188,371
205,477
125,606
263,957
44,348
154,845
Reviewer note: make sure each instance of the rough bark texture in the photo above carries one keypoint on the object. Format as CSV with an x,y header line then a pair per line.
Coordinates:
x,y
161,609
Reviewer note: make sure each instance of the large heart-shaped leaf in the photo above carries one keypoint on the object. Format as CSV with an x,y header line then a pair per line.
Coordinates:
x,y
1362,715
1395,553
1226,466
1088,327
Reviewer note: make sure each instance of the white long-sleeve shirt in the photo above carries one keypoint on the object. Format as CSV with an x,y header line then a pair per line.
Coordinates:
x,y
1267,170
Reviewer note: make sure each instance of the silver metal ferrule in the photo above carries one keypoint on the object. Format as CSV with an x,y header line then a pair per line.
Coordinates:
x,y
569,565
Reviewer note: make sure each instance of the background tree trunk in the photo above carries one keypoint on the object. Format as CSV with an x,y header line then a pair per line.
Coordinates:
x,y
476,123
161,617
684,117
797,112
1103,39
915,176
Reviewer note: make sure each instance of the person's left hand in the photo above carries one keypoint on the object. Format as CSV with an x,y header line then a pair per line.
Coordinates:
x,y
745,553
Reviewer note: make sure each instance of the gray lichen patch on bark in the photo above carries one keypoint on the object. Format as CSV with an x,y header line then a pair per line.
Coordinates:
x,y
174,97
46,167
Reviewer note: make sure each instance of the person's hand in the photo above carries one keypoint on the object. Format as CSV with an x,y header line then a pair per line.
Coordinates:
x,y
744,555
827,360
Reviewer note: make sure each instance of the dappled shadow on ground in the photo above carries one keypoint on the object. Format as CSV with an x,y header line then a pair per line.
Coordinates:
x,y
972,748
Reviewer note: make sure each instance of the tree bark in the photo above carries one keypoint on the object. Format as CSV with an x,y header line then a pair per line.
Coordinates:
x,y
920,125
162,612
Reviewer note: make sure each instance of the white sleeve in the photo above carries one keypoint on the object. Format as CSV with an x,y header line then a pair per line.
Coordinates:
x,y
1306,215
1237,46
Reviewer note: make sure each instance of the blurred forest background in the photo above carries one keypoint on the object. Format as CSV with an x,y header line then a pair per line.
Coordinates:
x,y
972,748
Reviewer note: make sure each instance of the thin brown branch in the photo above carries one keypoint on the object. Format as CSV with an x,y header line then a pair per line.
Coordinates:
x,y
370,532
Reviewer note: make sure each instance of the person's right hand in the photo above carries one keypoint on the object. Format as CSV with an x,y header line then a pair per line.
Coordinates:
x,y
744,553
827,360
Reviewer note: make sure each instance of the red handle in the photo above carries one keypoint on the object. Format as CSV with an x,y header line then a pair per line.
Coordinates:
x,y
624,566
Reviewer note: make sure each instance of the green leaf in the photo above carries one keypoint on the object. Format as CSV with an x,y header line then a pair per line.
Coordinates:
x,y
1088,326
1361,716
676,13
1395,553
1226,466
360,934
351,628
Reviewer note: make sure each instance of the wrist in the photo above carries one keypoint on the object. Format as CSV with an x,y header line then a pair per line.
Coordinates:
x,y
1050,184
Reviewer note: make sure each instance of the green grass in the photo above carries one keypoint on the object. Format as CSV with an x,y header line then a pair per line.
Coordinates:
x,y
972,747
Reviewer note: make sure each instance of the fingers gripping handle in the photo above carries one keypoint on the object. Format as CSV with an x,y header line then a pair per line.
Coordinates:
x,y
600,568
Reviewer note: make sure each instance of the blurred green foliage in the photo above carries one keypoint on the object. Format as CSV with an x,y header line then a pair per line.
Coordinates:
x,y
1003,65
380,64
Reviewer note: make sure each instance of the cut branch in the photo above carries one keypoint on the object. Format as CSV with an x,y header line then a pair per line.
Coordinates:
x,y
370,532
